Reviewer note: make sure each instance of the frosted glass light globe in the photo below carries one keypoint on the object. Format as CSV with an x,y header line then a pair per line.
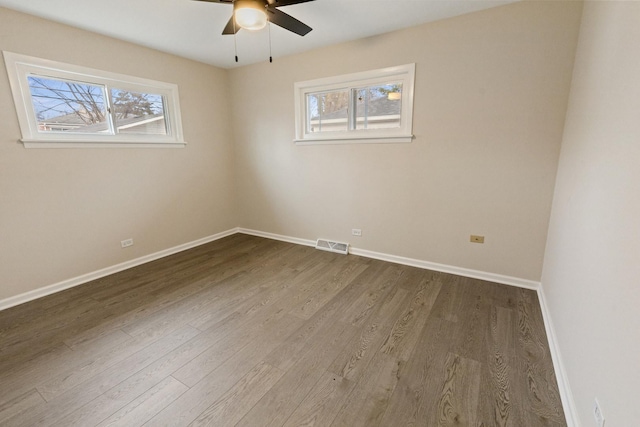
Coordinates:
x,y
251,18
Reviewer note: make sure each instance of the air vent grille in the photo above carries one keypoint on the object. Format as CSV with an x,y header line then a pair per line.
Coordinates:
x,y
328,245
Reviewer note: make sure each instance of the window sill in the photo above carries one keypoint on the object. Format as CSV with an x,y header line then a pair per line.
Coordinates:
x,y
61,143
404,139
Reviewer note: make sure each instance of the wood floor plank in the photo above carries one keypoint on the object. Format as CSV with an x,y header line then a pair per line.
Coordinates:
x,y
120,394
13,329
406,330
148,303
300,378
329,289
217,382
320,406
145,406
367,402
91,366
235,403
188,309
94,316
20,404
69,406
46,369
322,322
536,366
352,362
137,311
378,286
277,285
470,333
449,305
207,361
38,337
414,399
497,409
26,375
458,401
21,315
251,332
247,327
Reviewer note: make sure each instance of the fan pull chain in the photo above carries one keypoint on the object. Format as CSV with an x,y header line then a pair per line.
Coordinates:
x,y
235,43
270,57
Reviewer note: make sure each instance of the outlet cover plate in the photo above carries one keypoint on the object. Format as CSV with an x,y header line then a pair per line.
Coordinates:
x,y
476,239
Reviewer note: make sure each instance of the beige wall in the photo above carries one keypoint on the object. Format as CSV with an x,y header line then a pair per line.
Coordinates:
x,y
592,264
491,96
63,212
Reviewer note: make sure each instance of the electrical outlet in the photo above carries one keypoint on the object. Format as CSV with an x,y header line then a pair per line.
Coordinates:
x,y
126,243
476,239
356,232
597,414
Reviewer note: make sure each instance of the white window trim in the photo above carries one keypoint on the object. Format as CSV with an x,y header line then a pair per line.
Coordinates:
x,y
403,134
19,67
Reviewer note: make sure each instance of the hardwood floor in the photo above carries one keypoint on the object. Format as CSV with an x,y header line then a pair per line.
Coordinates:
x,y
246,331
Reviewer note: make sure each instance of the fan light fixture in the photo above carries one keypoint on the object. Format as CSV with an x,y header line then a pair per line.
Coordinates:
x,y
255,14
249,14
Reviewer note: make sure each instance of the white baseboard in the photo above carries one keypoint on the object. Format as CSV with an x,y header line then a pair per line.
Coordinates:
x,y
459,271
568,403
296,240
70,283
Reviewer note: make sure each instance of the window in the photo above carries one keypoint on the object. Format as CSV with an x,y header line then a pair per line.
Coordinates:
x,y
372,106
63,105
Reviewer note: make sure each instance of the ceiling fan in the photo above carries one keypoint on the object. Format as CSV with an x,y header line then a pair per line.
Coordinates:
x,y
254,15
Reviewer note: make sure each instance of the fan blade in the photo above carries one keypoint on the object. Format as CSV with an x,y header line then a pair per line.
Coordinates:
x,y
278,3
287,22
230,28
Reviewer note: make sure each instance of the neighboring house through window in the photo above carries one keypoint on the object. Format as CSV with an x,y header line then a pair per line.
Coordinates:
x,y
372,106
63,105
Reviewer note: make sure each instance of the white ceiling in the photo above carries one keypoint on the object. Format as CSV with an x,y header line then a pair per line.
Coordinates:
x,y
192,29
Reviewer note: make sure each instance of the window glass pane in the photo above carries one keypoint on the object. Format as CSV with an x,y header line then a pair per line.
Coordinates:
x,y
328,111
68,106
378,107
140,113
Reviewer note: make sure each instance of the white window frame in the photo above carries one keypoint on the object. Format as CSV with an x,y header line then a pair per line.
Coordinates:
x,y
404,74
20,67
